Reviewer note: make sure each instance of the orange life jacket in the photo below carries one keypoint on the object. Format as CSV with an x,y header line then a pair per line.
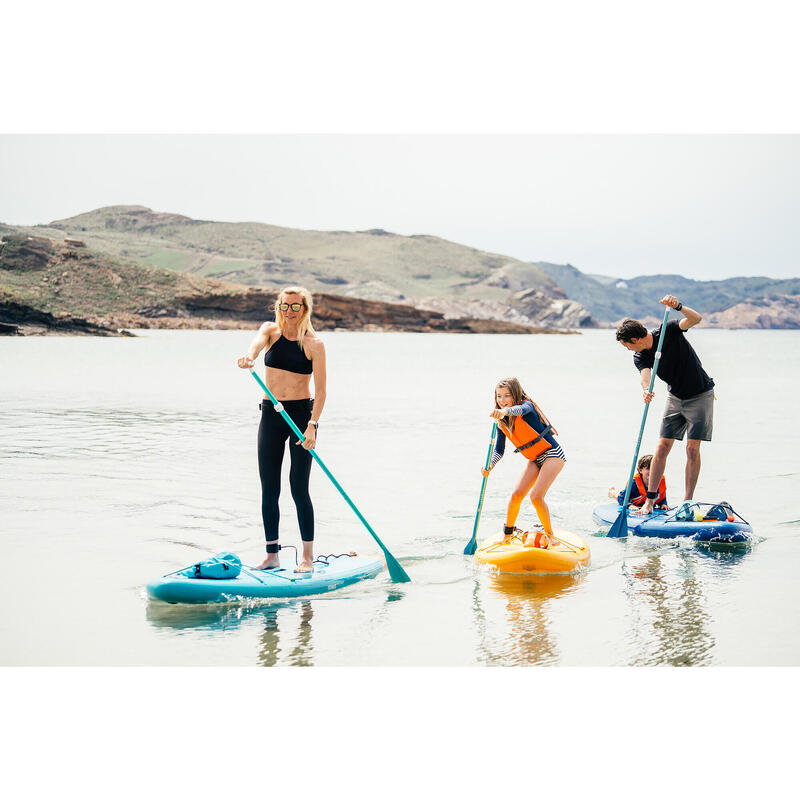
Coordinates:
x,y
526,439
662,491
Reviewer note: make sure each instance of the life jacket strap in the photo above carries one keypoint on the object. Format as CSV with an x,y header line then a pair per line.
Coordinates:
x,y
532,442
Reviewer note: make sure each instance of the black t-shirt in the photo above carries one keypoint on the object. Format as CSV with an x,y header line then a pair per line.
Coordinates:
x,y
679,367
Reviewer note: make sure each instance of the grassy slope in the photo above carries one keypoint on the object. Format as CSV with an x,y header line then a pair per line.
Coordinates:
x,y
377,264
63,280
370,264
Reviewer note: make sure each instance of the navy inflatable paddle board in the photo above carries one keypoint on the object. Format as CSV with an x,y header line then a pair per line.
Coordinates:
x,y
664,524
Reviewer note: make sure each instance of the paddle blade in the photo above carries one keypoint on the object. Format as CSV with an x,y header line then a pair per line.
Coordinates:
x,y
469,550
620,527
396,572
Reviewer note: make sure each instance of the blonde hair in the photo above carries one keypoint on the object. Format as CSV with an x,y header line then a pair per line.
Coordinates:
x,y
304,326
515,387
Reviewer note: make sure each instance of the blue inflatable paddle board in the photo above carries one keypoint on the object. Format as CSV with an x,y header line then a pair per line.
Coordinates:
x,y
666,525
331,573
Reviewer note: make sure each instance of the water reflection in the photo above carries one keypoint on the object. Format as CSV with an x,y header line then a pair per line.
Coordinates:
x,y
300,654
675,632
277,619
283,628
205,616
727,558
526,637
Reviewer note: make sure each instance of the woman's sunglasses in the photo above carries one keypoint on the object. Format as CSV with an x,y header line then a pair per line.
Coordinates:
x,y
293,306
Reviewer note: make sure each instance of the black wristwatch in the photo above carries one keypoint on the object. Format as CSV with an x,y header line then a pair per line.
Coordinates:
x,y
679,306
315,424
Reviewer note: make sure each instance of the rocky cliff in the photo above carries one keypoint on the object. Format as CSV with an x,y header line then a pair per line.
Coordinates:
x,y
421,271
373,264
64,286
777,311
528,307
726,303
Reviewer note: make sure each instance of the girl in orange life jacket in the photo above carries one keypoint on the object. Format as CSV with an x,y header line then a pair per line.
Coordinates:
x,y
522,422
641,480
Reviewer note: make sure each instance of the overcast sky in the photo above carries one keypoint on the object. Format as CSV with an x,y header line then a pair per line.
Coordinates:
x,y
706,207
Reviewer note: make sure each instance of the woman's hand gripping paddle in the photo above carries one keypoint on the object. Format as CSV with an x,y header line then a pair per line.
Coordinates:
x,y
396,572
620,526
473,542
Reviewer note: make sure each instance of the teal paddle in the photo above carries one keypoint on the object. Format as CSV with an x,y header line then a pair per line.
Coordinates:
x,y
473,542
396,572
620,526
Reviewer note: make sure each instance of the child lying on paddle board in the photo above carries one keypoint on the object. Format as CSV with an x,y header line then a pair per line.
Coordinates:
x,y
641,480
522,422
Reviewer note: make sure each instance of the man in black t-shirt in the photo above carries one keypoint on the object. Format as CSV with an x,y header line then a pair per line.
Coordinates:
x,y
690,402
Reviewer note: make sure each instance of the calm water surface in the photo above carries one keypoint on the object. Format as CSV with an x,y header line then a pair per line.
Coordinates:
x,y
124,459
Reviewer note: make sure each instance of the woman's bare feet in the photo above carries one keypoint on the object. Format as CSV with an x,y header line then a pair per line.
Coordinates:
x,y
307,561
270,562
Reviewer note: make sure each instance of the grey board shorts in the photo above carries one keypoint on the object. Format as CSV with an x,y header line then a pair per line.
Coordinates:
x,y
695,415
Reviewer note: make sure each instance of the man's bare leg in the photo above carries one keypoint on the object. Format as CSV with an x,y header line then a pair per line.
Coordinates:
x,y
692,467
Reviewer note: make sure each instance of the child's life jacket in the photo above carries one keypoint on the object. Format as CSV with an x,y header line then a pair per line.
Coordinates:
x,y
529,431
639,492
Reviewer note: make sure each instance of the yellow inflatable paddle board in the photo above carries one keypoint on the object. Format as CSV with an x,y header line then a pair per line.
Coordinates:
x,y
567,552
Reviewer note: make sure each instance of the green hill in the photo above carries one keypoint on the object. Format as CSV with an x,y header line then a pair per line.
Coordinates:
x,y
425,271
61,285
372,264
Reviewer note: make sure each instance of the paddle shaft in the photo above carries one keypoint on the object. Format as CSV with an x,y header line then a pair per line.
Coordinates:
x,y
656,361
397,573
470,548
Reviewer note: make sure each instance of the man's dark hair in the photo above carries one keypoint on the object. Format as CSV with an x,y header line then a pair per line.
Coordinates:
x,y
630,329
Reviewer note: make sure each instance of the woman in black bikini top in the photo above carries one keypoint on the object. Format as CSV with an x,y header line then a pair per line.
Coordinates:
x,y
285,354
293,355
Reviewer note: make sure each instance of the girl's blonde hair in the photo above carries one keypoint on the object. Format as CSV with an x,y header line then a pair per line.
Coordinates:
x,y
304,325
515,387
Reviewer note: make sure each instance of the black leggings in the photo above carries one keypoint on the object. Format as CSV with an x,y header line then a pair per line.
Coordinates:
x,y
273,431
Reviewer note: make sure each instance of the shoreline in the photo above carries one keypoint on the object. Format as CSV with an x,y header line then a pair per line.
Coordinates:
x,y
132,330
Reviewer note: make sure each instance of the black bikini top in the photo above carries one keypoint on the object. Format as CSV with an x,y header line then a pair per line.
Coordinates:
x,y
288,355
